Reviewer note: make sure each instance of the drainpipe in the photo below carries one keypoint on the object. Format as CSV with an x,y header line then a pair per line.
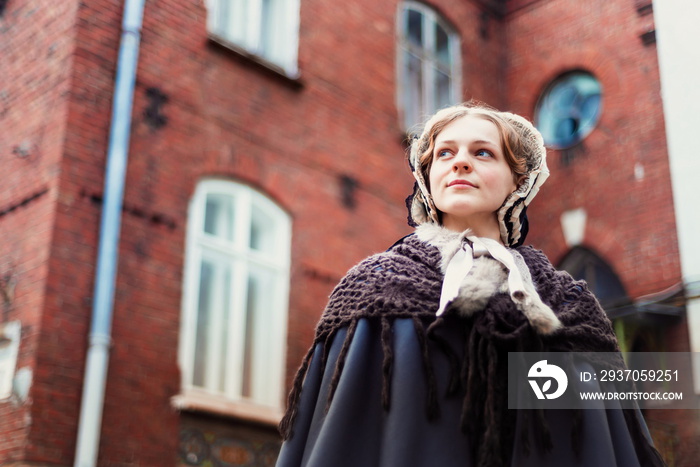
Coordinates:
x,y
105,277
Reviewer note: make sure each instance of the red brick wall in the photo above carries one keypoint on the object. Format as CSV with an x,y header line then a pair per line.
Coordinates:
x,y
225,117
631,222
228,118
35,59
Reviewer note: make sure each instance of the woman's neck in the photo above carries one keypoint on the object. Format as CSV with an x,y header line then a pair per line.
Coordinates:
x,y
484,228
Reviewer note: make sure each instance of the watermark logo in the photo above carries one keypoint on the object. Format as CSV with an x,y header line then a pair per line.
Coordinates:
x,y
542,371
595,380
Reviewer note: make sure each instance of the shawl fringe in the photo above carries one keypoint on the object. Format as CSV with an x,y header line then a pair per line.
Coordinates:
x,y
287,422
454,384
432,408
341,362
387,363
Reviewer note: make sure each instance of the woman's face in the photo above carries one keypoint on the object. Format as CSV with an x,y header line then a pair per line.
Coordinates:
x,y
470,177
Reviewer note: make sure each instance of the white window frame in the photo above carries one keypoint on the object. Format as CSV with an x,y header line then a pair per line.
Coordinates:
x,y
244,24
429,62
266,400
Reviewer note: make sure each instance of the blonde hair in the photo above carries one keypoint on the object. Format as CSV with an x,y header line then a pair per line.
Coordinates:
x,y
512,145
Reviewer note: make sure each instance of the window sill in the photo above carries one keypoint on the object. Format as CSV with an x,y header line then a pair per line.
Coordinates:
x,y
247,57
194,400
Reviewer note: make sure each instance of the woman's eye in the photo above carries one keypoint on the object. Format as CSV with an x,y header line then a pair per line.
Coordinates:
x,y
443,153
484,153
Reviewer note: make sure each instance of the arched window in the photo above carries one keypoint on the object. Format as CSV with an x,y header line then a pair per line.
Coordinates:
x,y
428,61
236,289
584,264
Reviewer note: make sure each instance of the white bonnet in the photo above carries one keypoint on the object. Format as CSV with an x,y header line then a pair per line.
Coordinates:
x,y
511,215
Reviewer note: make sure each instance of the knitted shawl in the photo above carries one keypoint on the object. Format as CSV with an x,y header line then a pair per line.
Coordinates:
x,y
405,282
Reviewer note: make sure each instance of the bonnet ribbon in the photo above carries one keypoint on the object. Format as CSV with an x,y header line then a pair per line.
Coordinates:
x,y
462,261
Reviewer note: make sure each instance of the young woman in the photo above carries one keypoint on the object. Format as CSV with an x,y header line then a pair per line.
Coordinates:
x,y
409,363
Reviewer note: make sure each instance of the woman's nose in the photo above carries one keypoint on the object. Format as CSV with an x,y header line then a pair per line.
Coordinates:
x,y
461,162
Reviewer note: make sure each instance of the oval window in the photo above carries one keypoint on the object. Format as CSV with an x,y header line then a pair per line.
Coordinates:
x,y
569,109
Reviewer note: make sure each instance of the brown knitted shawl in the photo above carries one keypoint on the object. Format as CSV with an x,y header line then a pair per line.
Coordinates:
x,y
405,282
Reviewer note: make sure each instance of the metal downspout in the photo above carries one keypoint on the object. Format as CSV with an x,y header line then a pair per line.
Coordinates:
x,y
105,276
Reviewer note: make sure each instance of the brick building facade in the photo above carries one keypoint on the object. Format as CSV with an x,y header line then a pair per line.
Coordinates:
x,y
324,143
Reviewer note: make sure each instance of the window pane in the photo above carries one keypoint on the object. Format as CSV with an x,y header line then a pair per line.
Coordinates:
x,y
443,90
262,232
414,27
222,326
203,322
219,216
268,30
212,14
223,12
442,48
562,98
230,21
413,89
258,311
212,317
278,32
590,109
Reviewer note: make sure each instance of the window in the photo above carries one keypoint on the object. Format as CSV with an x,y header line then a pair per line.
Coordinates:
x,y
236,289
268,29
584,264
569,109
429,63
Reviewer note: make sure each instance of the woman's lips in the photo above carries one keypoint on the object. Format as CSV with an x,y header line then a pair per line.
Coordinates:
x,y
461,183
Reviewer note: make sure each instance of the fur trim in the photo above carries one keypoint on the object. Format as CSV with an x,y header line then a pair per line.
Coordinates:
x,y
488,277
